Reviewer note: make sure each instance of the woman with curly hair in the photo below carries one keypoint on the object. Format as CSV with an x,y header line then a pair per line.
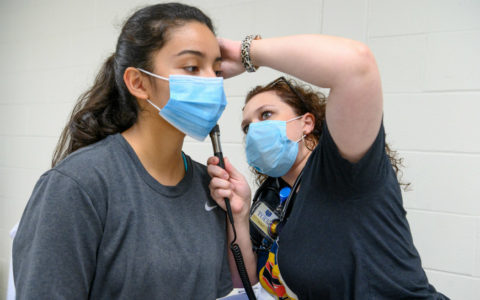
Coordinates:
x,y
341,231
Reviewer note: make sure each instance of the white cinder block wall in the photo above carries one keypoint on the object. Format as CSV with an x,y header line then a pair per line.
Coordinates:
x,y
427,51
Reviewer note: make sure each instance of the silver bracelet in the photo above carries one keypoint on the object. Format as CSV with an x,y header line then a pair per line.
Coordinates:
x,y
245,52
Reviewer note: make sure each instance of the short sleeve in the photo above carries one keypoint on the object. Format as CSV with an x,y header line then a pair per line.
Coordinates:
x,y
328,168
54,251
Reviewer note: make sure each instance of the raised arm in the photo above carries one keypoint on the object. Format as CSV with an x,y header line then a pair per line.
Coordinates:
x,y
346,67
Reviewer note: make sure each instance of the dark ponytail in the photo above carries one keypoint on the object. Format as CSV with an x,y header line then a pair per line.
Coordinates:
x,y
108,107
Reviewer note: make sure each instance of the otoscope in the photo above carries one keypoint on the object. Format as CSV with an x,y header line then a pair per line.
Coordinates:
x,y
237,254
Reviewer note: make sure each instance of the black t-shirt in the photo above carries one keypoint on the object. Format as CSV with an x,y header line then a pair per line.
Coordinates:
x,y
347,236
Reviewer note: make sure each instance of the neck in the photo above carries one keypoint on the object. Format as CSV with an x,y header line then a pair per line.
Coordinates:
x,y
302,158
158,145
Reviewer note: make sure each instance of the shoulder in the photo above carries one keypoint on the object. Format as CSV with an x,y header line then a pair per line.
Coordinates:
x,y
92,167
56,196
327,146
327,143
327,166
91,155
56,182
82,180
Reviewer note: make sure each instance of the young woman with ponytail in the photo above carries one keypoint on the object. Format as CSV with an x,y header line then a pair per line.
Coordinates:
x,y
124,213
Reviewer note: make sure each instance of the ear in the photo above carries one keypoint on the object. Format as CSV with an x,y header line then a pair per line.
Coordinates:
x,y
136,84
309,125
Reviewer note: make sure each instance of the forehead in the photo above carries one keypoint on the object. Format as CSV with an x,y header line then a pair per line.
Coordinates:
x,y
269,98
192,36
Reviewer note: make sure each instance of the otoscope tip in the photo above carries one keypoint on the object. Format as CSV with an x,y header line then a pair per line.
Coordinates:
x,y
215,129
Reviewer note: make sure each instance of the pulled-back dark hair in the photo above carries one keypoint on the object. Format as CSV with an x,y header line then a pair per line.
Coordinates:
x,y
302,99
108,107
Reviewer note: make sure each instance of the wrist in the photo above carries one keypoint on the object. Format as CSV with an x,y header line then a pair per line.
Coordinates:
x,y
245,52
254,47
243,215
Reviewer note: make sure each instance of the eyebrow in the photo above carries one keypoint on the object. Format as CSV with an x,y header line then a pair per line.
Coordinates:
x,y
196,53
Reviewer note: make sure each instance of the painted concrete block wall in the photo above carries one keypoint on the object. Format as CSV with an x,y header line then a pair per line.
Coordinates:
x,y
427,52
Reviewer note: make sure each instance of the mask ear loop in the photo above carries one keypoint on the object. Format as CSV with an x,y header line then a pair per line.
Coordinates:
x,y
156,76
303,134
302,138
295,118
153,104
152,74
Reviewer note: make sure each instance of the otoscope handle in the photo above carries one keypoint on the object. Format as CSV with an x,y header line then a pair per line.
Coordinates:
x,y
221,162
237,254
217,151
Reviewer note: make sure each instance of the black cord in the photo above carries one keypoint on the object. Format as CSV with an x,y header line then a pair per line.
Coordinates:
x,y
237,253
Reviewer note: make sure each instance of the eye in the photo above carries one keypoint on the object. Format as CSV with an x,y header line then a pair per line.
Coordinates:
x,y
266,114
191,69
245,129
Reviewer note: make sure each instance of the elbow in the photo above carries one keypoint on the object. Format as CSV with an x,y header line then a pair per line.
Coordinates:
x,y
363,60
357,64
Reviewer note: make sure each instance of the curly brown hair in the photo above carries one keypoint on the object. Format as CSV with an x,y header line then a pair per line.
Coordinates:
x,y
304,99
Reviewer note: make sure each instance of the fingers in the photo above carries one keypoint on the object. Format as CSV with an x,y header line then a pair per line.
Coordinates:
x,y
234,173
229,48
221,43
216,172
219,186
219,194
231,69
217,183
213,160
228,166
231,57
228,183
220,189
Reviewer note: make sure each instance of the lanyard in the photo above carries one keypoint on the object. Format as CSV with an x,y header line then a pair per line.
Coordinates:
x,y
286,208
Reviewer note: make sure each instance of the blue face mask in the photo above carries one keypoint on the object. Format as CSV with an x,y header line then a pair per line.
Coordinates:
x,y
268,148
195,104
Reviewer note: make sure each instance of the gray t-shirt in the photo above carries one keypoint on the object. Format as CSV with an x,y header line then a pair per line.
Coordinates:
x,y
98,226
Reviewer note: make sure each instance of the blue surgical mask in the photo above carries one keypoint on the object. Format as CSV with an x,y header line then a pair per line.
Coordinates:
x,y
268,148
195,104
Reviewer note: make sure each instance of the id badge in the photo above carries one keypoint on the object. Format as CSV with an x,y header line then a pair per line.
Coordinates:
x,y
265,220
